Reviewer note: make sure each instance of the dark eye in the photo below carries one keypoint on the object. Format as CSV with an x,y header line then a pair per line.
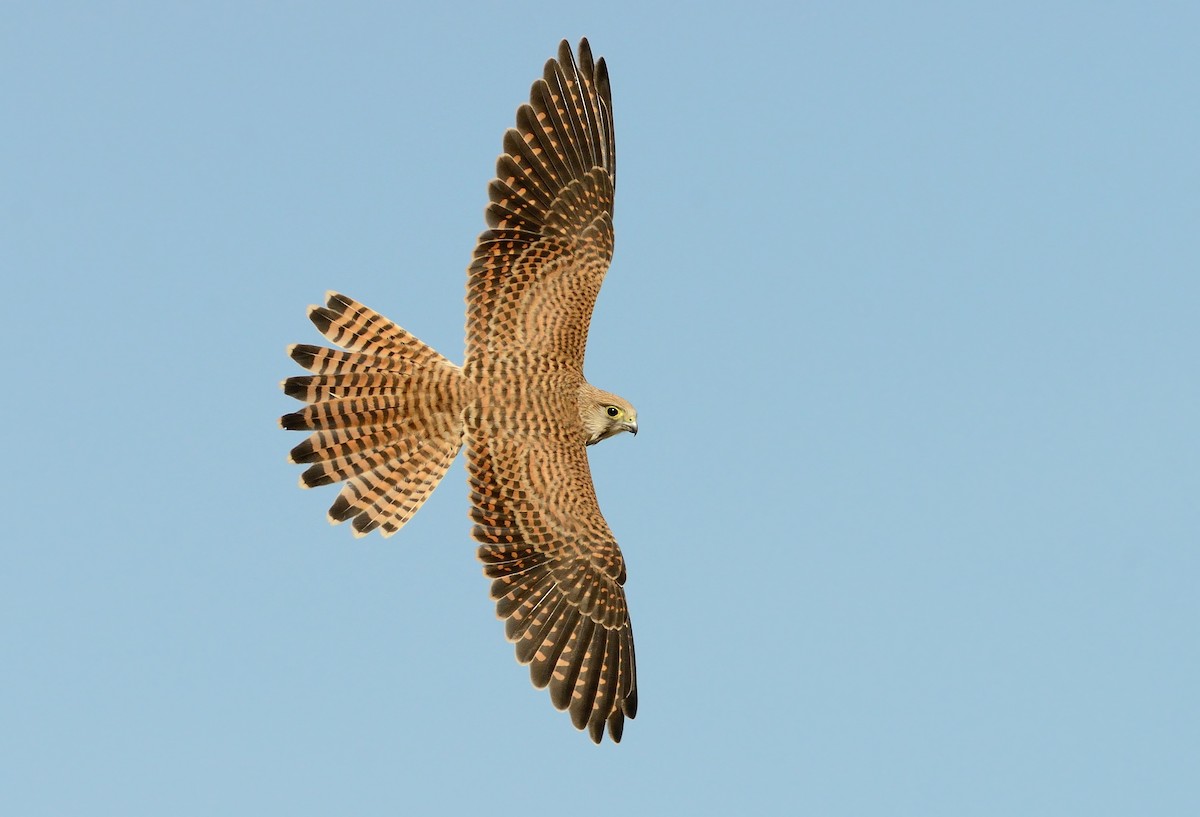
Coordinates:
x,y
613,411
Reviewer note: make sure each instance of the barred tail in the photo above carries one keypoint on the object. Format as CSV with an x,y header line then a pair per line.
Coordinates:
x,y
386,416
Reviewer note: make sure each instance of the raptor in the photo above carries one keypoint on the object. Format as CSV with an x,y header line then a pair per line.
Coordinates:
x,y
388,414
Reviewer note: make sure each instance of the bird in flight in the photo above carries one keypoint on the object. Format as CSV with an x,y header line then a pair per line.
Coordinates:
x,y
388,414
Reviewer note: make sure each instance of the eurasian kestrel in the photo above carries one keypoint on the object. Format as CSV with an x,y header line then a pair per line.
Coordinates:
x,y
389,414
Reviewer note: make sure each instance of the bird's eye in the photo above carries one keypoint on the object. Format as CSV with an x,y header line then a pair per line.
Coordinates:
x,y
613,411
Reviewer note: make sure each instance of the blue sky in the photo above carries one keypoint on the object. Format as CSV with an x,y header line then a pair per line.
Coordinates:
x,y
906,296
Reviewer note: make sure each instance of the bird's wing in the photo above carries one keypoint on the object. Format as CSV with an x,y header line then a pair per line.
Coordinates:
x,y
556,571
536,272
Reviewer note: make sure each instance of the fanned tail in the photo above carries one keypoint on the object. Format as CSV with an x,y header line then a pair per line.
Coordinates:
x,y
385,412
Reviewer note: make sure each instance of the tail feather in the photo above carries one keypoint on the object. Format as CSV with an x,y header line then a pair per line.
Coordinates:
x,y
351,465
353,326
344,442
315,388
323,360
385,412
387,496
347,412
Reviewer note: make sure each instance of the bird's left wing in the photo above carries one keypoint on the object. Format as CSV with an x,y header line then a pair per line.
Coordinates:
x,y
537,270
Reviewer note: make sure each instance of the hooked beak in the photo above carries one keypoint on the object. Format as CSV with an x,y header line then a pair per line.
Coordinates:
x,y
631,427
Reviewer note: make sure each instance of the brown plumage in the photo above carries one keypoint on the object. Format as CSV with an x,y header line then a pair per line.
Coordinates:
x,y
389,414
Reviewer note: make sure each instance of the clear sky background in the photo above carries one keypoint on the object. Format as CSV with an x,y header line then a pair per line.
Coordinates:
x,y
907,296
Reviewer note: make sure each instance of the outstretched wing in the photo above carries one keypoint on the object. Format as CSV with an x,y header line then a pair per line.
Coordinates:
x,y
556,571
536,272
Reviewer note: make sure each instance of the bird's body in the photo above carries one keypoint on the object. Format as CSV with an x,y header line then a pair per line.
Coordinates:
x,y
389,414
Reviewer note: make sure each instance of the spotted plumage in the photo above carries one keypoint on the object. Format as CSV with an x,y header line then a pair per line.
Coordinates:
x,y
389,414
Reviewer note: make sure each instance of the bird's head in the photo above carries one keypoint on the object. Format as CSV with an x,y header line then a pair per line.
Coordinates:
x,y
605,415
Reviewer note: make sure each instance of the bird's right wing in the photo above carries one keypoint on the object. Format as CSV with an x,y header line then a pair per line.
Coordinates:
x,y
557,574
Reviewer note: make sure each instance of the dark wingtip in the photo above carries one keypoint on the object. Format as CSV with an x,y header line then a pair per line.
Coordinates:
x,y
616,726
602,81
540,673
